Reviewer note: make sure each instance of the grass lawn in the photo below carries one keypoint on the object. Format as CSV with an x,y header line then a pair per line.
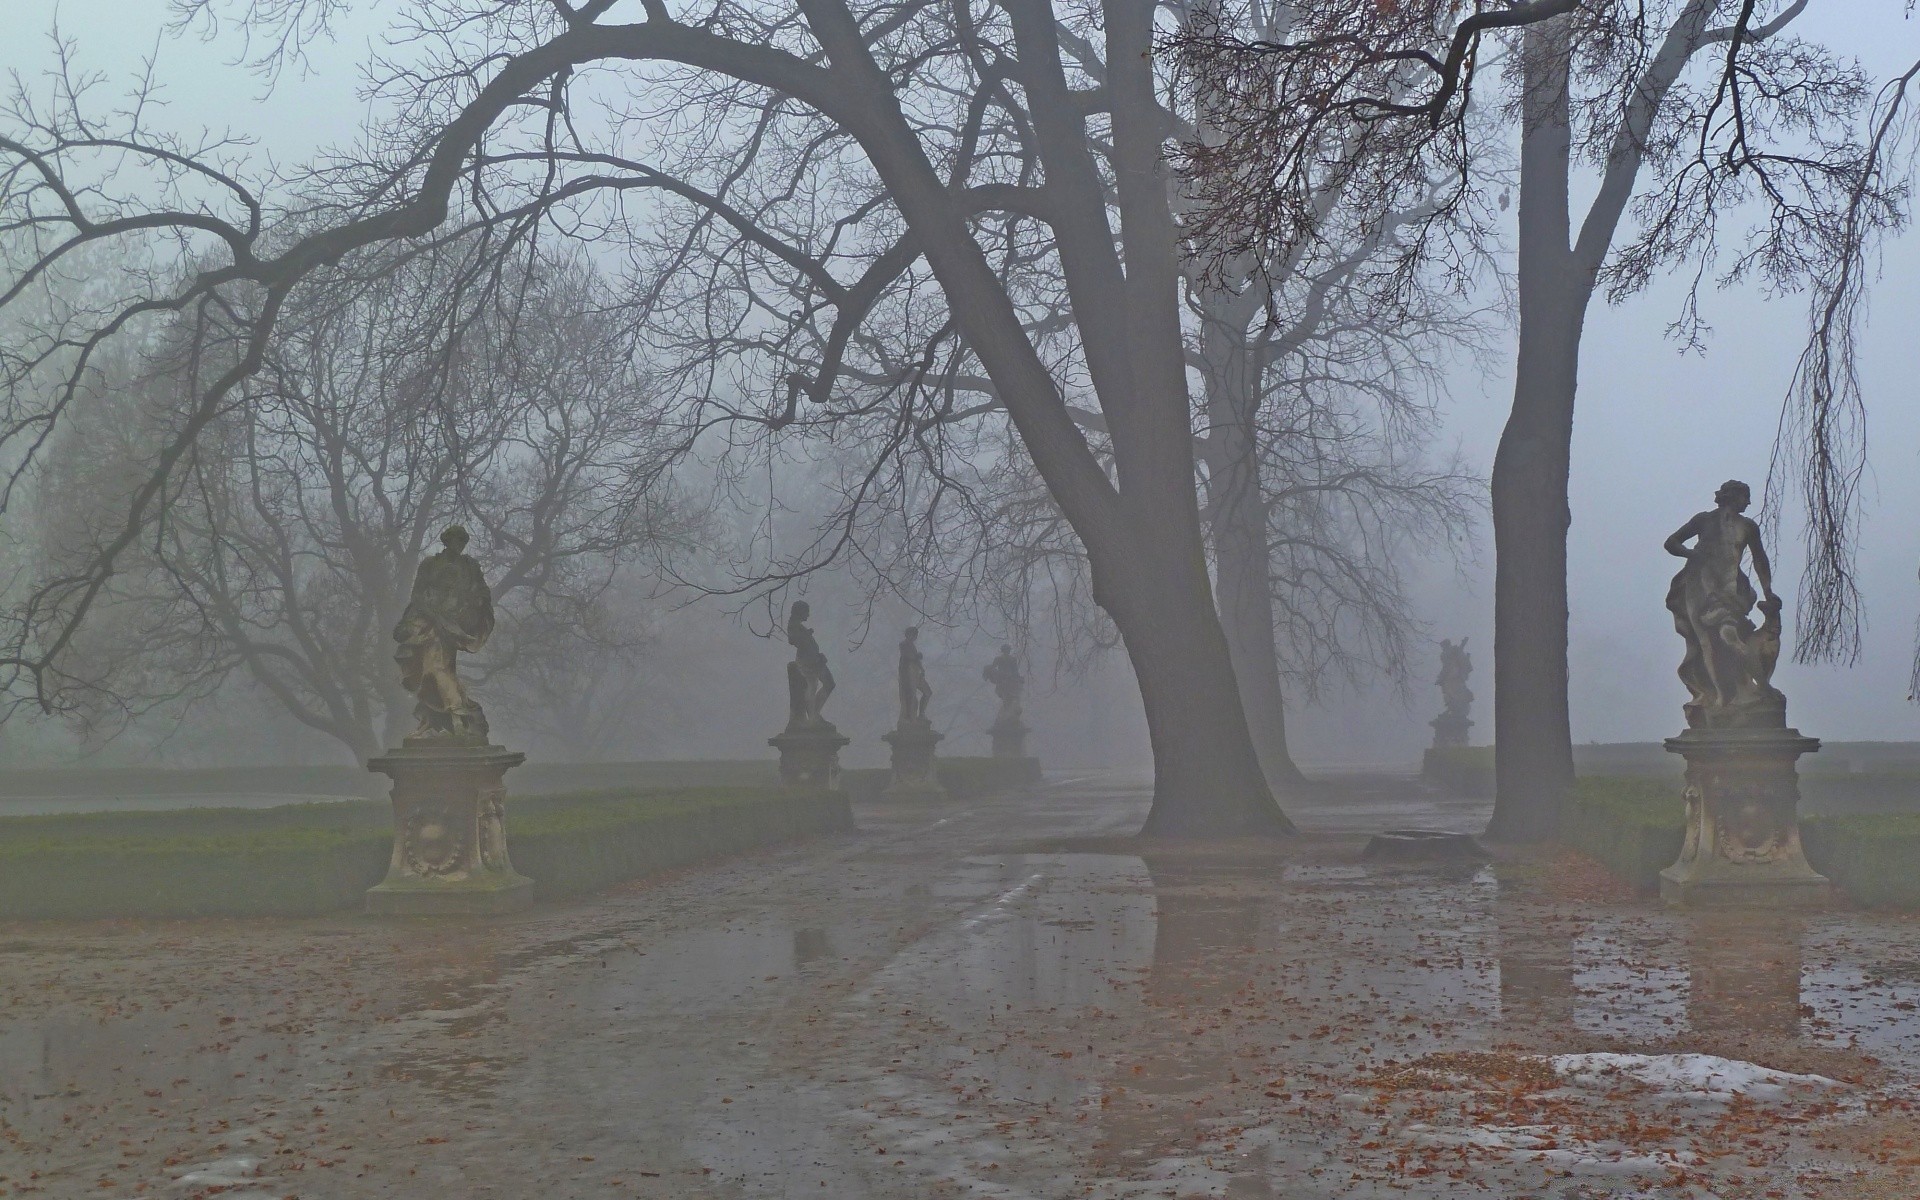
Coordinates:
x,y
307,859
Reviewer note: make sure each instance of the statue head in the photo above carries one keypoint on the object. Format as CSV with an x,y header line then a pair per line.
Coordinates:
x,y
913,633
1006,652
454,538
801,610
1734,494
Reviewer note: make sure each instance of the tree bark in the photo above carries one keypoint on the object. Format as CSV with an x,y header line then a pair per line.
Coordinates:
x,y
1246,613
1532,737
1242,552
1208,780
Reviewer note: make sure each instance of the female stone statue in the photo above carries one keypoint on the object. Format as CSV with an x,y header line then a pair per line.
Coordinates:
x,y
915,691
809,682
450,610
1728,667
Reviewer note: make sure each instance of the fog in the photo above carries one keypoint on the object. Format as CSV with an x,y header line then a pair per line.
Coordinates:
x,y
721,599
1658,428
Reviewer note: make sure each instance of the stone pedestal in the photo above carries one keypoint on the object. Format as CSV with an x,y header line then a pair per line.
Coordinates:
x,y
810,756
1009,739
1743,821
449,831
913,776
1451,729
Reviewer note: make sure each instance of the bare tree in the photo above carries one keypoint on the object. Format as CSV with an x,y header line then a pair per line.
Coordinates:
x,y
501,118
1695,115
399,392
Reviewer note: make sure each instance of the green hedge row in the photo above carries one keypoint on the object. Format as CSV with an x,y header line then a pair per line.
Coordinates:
x,y
1462,770
542,778
308,859
1635,827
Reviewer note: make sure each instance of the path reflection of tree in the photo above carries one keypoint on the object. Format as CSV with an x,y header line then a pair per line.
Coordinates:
x,y
1537,996
1207,919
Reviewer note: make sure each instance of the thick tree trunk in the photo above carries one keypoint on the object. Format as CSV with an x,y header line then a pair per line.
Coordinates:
x,y
1242,552
1533,742
1141,527
1532,737
1208,780
1246,614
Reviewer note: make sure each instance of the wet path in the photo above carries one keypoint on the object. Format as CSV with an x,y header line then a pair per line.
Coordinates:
x,y
997,999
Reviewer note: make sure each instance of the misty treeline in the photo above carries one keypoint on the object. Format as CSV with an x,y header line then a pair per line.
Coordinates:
x,y
1009,314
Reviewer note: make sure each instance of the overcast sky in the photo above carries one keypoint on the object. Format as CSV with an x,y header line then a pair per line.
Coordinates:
x,y
1657,430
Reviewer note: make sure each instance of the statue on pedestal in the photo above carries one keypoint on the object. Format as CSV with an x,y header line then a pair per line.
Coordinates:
x,y
1729,661
1742,794
450,610
449,792
1004,674
809,746
1456,666
1009,730
915,691
809,682
913,738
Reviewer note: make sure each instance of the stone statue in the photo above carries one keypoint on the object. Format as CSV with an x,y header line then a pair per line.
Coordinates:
x,y
1729,662
1456,666
809,682
1004,674
450,610
915,691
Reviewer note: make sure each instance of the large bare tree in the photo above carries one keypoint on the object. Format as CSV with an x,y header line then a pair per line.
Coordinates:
x,y
530,115
1722,145
400,391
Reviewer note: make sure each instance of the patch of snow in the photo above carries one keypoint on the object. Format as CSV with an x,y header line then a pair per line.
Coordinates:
x,y
1706,1075
1554,1145
239,1178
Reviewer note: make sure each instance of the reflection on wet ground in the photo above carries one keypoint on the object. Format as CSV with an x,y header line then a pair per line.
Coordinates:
x,y
1003,998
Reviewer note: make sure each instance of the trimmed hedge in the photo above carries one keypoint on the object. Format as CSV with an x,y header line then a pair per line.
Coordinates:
x,y
1870,856
1635,827
1463,770
537,778
309,859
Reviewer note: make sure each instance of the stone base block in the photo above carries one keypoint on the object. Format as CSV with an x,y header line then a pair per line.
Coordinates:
x,y
810,758
1451,729
1742,843
1798,891
913,776
1009,741
449,832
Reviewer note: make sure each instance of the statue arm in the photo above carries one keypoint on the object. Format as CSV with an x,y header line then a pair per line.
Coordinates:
x,y
1677,544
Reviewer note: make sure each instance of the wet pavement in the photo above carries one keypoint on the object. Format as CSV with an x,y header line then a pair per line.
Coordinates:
x,y
1007,998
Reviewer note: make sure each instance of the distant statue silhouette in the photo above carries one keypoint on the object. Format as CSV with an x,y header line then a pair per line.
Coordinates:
x,y
1451,727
